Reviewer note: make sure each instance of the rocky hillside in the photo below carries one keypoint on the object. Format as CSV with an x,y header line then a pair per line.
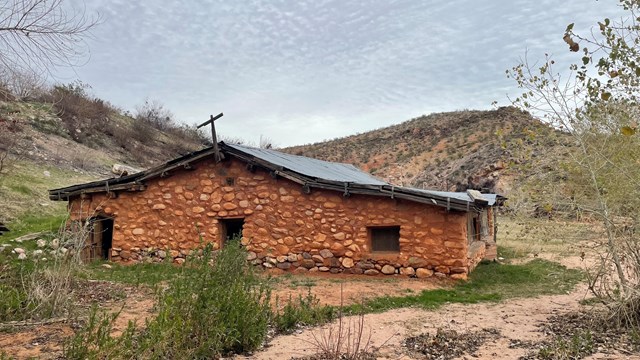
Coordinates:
x,y
445,151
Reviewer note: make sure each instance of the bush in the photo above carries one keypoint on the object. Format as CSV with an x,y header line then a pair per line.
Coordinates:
x,y
304,311
81,114
216,306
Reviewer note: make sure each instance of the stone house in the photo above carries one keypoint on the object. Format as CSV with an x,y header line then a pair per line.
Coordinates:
x,y
292,212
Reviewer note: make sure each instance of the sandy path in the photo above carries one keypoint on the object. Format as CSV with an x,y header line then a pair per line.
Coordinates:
x,y
516,319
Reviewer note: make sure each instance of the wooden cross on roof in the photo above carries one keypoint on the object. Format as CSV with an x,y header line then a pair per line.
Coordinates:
x,y
216,151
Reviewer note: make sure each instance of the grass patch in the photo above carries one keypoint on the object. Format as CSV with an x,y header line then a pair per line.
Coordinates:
x,y
34,223
509,253
135,274
22,189
489,282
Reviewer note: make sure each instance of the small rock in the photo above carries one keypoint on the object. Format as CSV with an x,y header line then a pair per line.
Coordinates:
x,y
55,243
407,271
41,243
46,173
251,255
388,270
371,272
163,254
423,273
22,256
37,252
323,268
326,253
106,266
19,251
347,263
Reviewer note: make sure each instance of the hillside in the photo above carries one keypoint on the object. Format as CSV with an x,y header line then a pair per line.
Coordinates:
x,y
62,139
446,151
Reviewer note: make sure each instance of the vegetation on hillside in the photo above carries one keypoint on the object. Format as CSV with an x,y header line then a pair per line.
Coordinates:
x,y
444,151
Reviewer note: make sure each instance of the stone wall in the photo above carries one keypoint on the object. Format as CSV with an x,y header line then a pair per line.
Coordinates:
x,y
283,227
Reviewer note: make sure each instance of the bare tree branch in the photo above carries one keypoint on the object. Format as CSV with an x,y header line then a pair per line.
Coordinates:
x,y
39,35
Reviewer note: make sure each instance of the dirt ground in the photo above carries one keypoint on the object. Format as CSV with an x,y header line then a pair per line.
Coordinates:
x,y
45,341
517,321
330,289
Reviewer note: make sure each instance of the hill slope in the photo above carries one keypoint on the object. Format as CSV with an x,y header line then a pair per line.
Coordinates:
x,y
445,151
76,139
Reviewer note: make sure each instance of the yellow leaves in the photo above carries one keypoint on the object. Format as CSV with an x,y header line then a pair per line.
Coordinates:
x,y
628,130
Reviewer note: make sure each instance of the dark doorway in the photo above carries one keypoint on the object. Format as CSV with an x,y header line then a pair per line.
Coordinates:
x,y
99,239
107,237
231,229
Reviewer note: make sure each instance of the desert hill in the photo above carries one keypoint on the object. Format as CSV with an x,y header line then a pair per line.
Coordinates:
x,y
445,151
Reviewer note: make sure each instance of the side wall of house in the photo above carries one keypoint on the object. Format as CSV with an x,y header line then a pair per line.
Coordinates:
x,y
283,227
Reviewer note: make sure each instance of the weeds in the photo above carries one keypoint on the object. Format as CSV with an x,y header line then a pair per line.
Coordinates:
x,y
216,306
578,346
347,339
303,311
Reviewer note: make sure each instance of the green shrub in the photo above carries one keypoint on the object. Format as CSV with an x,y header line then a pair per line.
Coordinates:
x,y
303,311
216,306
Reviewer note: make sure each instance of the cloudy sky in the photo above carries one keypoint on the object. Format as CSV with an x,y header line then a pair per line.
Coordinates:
x,y
302,71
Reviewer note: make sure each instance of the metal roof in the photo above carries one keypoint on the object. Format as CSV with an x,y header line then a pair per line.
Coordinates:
x,y
491,198
310,173
313,168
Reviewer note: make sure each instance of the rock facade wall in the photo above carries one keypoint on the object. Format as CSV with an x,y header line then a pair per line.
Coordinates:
x,y
283,227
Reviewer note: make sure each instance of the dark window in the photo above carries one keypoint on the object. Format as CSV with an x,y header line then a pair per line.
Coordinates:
x,y
231,229
385,239
230,181
473,228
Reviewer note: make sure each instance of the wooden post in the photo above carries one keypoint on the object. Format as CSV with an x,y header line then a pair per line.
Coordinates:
x,y
216,152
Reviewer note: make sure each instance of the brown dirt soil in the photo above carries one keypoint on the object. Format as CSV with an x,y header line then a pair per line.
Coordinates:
x,y
354,288
45,341
42,342
518,320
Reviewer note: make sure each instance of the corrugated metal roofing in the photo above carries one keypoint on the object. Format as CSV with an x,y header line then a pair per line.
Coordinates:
x,y
314,168
491,198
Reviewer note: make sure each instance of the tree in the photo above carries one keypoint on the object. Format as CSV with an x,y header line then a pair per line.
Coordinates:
x,y
39,35
597,105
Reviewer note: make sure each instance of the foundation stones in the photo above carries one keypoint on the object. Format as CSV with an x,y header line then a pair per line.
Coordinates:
x,y
388,270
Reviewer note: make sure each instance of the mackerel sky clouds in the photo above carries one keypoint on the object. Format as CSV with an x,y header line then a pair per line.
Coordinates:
x,y
304,71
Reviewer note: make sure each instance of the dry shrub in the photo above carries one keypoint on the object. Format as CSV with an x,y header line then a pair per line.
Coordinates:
x,y
82,114
347,339
9,139
21,85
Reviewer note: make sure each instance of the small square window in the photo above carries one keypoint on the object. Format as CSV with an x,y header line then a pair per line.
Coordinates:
x,y
385,239
230,181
